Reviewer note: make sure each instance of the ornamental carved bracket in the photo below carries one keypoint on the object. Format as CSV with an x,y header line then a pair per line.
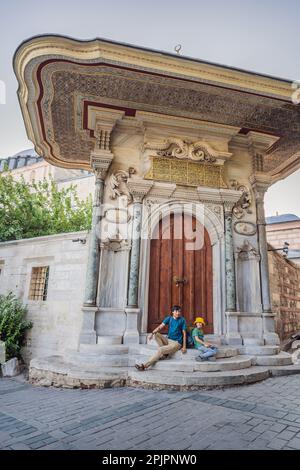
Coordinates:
x,y
117,184
183,149
243,205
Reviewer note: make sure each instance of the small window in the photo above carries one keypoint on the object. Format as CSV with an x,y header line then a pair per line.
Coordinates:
x,y
39,283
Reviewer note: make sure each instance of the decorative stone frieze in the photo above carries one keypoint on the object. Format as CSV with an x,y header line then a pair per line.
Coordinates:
x,y
198,151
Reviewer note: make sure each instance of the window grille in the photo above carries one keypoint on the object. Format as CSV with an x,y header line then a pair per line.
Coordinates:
x,y
39,283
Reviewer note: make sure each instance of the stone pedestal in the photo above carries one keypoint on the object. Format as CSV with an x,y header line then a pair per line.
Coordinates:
x,y
248,285
131,335
233,336
269,335
88,333
11,368
2,352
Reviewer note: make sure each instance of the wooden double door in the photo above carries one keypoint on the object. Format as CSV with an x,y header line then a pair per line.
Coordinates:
x,y
180,271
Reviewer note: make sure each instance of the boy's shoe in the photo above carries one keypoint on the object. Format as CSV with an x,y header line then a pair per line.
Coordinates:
x,y
140,367
201,359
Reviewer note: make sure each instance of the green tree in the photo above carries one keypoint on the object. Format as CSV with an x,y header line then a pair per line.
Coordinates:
x,y
40,208
13,325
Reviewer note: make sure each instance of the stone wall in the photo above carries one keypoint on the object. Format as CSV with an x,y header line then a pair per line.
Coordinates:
x,y
57,320
285,294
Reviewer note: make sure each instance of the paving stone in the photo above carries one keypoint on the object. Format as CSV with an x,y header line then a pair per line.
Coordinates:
x,y
278,427
19,446
294,443
277,444
247,417
286,435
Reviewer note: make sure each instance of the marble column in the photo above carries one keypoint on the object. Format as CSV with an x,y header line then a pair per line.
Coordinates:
x,y
233,336
260,189
138,189
229,260
100,162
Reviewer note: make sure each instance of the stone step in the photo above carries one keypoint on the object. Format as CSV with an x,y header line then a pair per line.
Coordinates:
x,y
148,350
285,370
259,350
99,349
170,365
95,360
281,359
109,339
55,370
184,381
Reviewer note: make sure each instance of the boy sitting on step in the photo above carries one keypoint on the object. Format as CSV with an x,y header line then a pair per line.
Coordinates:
x,y
207,351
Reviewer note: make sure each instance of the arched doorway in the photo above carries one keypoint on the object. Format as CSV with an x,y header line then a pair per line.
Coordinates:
x,y
180,275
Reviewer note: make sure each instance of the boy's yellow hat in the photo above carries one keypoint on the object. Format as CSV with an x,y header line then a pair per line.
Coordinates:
x,y
199,320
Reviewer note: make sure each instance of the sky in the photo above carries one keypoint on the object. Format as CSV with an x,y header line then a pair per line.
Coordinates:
x,y
259,35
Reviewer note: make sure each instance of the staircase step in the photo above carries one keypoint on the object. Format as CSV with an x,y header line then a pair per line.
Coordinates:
x,y
179,380
281,359
99,349
109,339
148,350
232,363
95,360
259,350
285,370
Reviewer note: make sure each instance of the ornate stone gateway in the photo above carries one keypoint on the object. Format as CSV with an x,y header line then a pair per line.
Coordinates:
x,y
180,276
160,131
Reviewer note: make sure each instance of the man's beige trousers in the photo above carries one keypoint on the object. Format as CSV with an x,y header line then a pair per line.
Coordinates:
x,y
166,346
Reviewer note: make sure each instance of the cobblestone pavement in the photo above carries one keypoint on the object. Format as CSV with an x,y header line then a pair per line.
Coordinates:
x,y
259,416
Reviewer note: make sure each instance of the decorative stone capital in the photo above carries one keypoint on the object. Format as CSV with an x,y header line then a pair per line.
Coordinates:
x,y
219,196
102,121
100,163
229,198
162,190
260,184
138,188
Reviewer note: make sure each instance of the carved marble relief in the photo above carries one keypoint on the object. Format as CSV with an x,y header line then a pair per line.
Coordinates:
x,y
117,184
243,205
242,227
183,149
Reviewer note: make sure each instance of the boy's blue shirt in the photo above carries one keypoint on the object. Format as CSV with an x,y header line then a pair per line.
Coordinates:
x,y
175,328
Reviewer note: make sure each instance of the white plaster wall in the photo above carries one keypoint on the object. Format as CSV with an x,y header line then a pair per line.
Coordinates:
x,y
56,321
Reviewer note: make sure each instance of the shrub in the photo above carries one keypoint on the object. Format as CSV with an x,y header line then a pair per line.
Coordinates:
x,y
13,325
39,208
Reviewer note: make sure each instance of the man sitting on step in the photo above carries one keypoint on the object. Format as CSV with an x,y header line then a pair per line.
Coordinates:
x,y
207,351
176,338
